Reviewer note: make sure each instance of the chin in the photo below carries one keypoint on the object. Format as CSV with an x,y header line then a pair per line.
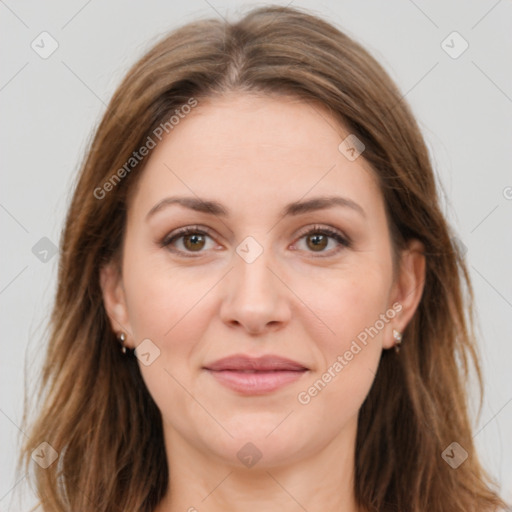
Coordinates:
x,y
261,444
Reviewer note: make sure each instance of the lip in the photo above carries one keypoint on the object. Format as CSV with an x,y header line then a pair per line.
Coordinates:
x,y
255,375
269,362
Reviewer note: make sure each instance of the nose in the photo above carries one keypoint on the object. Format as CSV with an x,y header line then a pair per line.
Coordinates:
x,y
256,297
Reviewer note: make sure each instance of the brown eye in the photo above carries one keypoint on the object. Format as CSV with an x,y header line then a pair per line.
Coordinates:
x,y
317,241
187,241
193,242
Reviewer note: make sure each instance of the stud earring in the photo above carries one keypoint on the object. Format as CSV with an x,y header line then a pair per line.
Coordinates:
x,y
398,340
122,339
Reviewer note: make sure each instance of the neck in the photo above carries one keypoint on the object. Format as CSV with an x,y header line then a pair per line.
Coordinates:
x,y
322,480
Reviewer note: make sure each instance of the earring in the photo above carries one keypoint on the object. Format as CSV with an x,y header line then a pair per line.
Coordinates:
x,y
122,339
398,340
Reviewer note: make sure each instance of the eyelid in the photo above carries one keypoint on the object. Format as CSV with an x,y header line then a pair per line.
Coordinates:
x,y
194,228
319,227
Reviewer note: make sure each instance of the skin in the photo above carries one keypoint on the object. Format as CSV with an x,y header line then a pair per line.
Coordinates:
x,y
255,154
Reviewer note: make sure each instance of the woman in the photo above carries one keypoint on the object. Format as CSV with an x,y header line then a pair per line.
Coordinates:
x,y
259,303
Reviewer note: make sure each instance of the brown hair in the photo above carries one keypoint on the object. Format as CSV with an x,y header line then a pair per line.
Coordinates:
x,y
95,409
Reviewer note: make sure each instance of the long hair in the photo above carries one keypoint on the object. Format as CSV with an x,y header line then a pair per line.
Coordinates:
x,y
94,409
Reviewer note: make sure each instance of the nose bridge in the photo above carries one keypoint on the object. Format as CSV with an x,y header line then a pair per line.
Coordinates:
x,y
254,297
252,274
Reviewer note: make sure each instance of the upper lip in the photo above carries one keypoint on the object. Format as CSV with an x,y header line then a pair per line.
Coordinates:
x,y
263,363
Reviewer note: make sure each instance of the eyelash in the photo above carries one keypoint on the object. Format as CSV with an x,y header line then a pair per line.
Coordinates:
x,y
198,230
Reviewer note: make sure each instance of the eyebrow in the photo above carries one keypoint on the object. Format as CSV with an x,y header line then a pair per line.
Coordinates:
x,y
291,209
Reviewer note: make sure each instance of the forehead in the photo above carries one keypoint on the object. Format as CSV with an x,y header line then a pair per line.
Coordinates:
x,y
242,147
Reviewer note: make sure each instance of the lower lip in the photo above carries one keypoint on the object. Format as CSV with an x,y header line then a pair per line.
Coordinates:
x,y
256,383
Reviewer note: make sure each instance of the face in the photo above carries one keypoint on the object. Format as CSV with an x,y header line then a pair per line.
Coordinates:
x,y
311,282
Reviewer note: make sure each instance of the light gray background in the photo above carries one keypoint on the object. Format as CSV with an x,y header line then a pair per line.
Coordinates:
x,y
50,107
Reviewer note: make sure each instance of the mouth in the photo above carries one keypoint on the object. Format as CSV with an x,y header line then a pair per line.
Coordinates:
x,y
255,376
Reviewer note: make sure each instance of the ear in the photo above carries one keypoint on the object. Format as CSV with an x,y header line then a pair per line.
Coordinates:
x,y
407,289
114,298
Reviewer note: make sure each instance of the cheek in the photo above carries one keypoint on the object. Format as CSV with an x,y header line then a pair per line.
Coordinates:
x,y
164,305
349,349
160,297
168,305
348,303
354,314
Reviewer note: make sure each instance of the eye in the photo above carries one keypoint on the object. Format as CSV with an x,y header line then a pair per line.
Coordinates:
x,y
192,238
318,238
